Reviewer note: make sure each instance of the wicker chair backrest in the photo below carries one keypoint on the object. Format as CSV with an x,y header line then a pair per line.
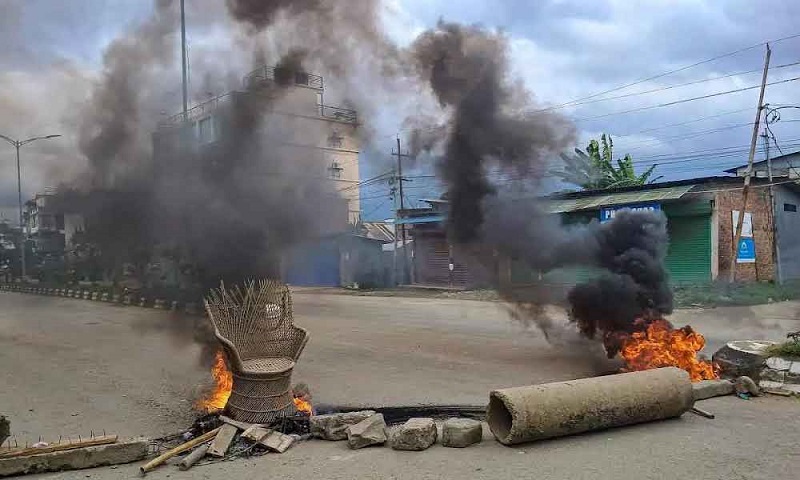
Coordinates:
x,y
256,319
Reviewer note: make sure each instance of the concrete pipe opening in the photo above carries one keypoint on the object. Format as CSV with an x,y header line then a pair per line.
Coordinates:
x,y
501,417
537,412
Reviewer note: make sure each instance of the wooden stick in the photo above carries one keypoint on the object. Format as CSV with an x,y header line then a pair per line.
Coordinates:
x,y
152,464
702,413
193,457
89,442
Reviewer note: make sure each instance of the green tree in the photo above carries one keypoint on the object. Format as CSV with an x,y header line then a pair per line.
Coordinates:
x,y
595,168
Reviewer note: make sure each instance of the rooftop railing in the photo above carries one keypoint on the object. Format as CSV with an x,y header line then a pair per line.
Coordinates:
x,y
282,76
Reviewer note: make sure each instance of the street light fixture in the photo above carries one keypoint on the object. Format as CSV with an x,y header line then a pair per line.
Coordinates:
x,y
18,144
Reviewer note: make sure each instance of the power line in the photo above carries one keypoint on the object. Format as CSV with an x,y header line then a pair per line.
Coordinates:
x,y
669,87
685,100
680,124
680,69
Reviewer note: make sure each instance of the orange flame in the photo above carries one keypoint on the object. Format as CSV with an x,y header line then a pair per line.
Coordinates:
x,y
217,398
303,406
663,346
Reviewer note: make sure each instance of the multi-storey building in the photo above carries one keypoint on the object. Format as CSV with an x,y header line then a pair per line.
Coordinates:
x,y
309,139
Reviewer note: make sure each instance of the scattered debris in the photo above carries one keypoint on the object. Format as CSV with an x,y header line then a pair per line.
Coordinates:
x,y
194,457
184,447
746,385
370,431
416,434
334,426
712,388
461,432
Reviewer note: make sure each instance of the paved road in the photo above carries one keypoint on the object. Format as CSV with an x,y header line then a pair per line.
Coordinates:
x,y
70,366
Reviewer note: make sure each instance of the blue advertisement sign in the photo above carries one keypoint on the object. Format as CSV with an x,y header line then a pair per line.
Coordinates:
x,y
607,213
747,250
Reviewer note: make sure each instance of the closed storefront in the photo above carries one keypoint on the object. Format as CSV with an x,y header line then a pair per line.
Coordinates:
x,y
689,255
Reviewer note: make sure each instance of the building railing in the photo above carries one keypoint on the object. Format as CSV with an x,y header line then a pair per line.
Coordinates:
x,y
198,111
282,76
338,113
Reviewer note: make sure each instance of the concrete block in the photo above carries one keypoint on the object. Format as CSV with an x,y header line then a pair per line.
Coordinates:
x,y
771,375
334,426
461,432
778,363
370,431
87,457
711,388
416,434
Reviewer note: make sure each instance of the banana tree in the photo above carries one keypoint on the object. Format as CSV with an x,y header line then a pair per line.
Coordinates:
x,y
595,169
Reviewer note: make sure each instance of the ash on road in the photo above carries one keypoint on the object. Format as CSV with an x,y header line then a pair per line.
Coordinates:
x,y
70,366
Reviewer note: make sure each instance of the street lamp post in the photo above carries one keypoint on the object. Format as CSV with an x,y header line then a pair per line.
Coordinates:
x,y
18,144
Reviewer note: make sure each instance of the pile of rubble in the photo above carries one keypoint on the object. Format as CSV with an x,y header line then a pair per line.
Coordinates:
x,y
367,428
229,439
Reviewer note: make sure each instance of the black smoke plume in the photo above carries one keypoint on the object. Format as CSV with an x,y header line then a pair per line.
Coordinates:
x,y
493,124
467,69
223,212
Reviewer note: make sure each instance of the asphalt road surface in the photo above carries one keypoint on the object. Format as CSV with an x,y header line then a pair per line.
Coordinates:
x,y
69,367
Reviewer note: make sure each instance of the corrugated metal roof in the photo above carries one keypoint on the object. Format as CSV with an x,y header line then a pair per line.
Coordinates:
x,y
380,231
562,205
421,219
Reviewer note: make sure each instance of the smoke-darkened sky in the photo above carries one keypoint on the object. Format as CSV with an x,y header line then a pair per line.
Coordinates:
x,y
561,49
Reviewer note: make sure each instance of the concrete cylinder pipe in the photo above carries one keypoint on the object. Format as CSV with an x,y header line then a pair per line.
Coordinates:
x,y
536,412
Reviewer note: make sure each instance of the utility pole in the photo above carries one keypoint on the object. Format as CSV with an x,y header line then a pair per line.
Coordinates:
x,y
737,229
773,208
184,64
400,181
23,243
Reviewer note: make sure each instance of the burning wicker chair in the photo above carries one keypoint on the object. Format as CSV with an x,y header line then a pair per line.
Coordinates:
x,y
254,325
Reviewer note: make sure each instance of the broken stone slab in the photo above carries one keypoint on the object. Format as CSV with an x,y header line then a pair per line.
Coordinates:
x,y
221,443
772,375
416,434
79,458
461,432
778,363
746,385
711,388
272,440
334,426
370,431
277,441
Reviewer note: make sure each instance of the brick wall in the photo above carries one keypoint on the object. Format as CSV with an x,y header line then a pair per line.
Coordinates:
x,y
758,204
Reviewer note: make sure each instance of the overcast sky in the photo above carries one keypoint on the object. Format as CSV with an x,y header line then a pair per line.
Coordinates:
x,y
562,49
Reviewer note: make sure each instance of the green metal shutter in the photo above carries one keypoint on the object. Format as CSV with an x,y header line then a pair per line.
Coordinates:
x,y
689,254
